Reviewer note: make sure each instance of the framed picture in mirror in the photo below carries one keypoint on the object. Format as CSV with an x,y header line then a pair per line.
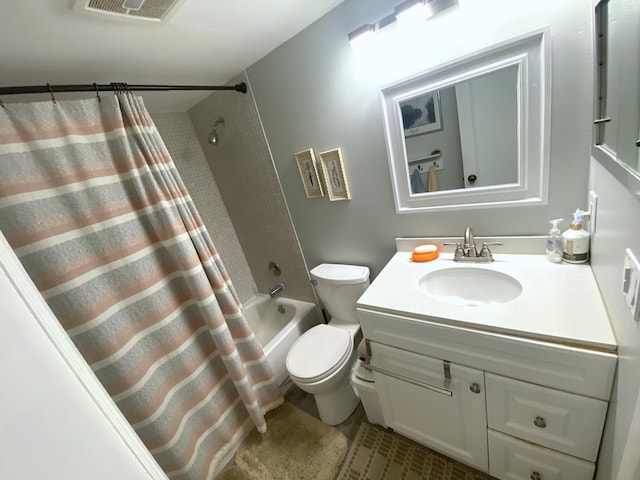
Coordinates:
x,y
421,114
334,175
306,161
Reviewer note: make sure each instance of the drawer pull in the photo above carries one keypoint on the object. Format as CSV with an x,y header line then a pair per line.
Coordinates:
x,y
535,476
474,387
540,423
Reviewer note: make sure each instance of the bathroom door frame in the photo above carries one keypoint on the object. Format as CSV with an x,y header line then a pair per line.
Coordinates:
x,y
55,333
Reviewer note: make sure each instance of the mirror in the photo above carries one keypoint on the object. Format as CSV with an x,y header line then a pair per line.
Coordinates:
x,y
616,142
474,132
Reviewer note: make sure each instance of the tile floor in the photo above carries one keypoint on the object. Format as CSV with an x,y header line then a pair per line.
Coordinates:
x,y
305,402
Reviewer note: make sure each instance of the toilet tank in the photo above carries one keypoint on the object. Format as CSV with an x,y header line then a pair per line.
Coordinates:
x,y
339,287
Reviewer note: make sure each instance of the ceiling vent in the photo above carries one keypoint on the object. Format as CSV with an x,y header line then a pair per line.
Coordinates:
x,y
147,11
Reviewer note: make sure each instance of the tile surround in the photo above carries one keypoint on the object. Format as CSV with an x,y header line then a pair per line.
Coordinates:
x,y
180,138
243,169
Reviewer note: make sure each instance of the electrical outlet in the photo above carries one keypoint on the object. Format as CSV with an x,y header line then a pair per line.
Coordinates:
x,y
593,211
631,283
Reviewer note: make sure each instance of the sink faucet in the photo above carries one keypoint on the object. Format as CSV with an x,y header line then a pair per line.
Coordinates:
x,y
277,288
468,252
469,247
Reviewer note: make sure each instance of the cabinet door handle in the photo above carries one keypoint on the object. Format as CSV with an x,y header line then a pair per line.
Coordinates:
x,y
602,120
474,387
433,388
540,422
535,476
637,143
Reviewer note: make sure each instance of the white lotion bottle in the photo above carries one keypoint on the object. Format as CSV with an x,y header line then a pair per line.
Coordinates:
x,y
576,241
555,242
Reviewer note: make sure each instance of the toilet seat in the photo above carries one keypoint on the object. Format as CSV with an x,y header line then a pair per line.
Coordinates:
x,y
318,353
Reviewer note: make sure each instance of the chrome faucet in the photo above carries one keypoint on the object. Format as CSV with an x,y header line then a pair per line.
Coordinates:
x,y
469,247
468,252
277,288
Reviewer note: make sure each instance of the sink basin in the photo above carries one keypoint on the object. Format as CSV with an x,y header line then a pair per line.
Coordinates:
x,y
470,286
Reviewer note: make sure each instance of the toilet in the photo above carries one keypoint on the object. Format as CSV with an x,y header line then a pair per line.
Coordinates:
x,y
321,360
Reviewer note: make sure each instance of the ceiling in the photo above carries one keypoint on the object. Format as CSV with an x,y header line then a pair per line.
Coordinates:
x,y
207,42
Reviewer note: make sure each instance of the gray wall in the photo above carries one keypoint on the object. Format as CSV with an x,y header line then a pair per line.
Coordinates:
x,y
617,226
311,92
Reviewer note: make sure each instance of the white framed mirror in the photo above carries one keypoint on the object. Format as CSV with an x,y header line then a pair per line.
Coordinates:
x,y
473,133
616,133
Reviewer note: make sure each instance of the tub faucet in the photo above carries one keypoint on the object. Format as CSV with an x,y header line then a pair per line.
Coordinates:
x,y
277,288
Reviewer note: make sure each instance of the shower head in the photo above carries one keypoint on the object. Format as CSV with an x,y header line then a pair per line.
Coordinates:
x,y
213,137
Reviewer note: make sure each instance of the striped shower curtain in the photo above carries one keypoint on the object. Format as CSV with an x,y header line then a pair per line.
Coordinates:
x,y
92,204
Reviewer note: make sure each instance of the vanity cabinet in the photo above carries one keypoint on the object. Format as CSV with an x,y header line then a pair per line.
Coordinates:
x,y
516,408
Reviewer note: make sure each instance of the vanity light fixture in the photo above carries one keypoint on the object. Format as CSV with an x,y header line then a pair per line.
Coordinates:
x,y
411,11
408,12
361,34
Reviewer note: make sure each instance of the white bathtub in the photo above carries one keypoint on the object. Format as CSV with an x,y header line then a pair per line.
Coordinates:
x,y
277,331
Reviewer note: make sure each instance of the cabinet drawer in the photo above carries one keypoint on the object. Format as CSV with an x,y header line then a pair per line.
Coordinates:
x,y
424,370
562,421
513,459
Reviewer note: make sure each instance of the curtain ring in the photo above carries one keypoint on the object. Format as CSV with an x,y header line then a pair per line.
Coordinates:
x,y
53,99
120,88
95,85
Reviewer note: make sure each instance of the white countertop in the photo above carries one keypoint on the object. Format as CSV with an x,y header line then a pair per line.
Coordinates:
x,y
560,303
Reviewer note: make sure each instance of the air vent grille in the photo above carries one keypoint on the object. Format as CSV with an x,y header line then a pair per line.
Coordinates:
x,y
154,9
113,6
151,10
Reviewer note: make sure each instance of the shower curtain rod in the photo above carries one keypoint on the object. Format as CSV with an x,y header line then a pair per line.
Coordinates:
x,y
114,87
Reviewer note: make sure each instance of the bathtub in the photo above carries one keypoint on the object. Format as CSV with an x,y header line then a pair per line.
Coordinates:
x,y
277,323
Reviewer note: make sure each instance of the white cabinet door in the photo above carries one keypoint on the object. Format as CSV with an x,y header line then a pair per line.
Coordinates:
x,y
420,402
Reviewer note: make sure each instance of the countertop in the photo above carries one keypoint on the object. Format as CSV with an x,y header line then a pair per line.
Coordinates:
x,y
560,302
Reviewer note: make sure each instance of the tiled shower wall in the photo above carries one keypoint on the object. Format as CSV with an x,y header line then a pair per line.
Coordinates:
x,y
181,141
246,177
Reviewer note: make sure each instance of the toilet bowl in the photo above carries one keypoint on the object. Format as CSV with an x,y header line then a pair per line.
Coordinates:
x,y
321,360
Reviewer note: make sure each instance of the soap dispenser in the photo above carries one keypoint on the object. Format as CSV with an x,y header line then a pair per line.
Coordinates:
x,y
555,242
576,241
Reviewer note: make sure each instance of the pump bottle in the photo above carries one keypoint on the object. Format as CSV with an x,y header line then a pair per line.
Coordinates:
x,y
555,242
576,241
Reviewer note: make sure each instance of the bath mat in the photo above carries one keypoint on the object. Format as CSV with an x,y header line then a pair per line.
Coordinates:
x,y
379,455
296,446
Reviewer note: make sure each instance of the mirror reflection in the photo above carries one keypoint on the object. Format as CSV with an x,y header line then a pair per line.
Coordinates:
x,y
472,132
617,137
464,135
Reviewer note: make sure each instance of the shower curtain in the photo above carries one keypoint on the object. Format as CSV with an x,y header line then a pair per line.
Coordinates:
x,y
92,204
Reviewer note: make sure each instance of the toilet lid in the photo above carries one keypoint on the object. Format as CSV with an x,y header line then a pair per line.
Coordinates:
x,y
318,353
